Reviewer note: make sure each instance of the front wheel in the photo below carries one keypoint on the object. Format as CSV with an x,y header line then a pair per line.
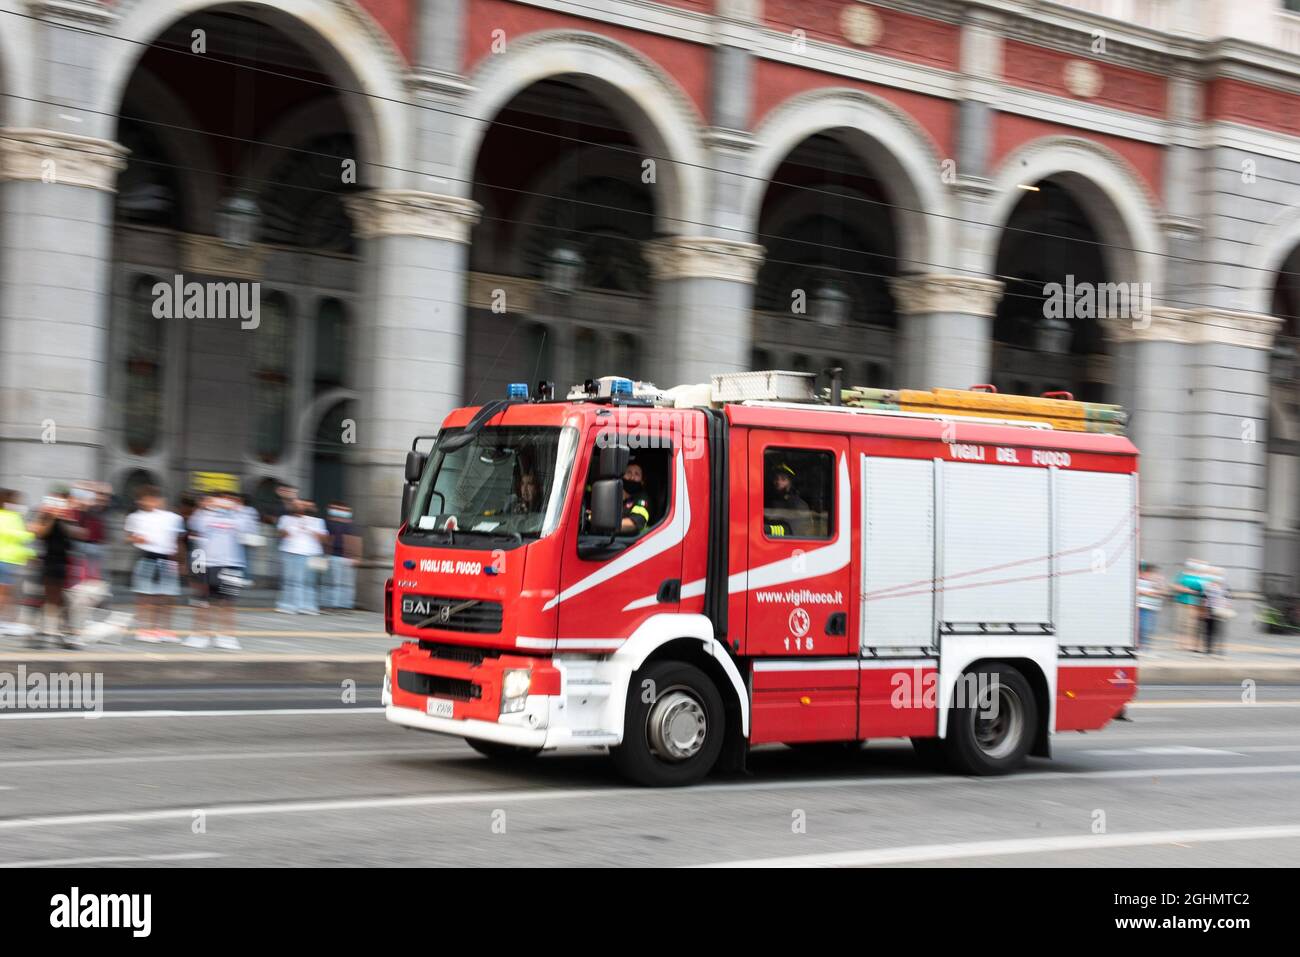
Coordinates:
x,y
993,733
673,727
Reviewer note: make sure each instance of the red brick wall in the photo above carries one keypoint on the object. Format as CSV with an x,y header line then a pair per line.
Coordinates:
x,y
687,63
1241,102
777,82
902,35
397,17
1011,132
1038,68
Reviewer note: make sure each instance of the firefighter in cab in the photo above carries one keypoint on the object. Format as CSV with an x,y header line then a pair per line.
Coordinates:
x,y
784,512
636,506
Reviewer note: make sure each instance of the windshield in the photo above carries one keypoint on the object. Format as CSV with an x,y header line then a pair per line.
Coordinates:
x,y
506,481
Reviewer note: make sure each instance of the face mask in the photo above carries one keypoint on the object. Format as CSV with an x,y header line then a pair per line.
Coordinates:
x,y
632,488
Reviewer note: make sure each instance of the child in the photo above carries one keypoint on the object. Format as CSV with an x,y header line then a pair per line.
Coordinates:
x,y
156,533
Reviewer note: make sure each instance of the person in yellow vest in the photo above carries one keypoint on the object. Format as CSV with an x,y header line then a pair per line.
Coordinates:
x,y
784,511
636,507
15,551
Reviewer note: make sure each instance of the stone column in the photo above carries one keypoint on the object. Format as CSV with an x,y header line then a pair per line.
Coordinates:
x,y
56,216
1195,384
410,347
703,301
945,330
1227,438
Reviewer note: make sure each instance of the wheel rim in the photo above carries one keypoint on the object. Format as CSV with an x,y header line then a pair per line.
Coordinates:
x,y
677,725
999,735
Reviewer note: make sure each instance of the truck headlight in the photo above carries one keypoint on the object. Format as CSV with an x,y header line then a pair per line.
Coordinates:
x,y
514,689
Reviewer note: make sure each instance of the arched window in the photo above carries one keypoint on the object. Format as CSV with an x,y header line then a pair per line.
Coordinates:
x,y
331,345
272,375
144,371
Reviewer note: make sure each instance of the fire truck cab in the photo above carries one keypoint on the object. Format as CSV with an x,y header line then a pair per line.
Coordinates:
x,y
680,576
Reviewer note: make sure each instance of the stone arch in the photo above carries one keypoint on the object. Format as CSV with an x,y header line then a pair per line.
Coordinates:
x,y
646,100
177,129
347,43
1104,184
893,147
1277,242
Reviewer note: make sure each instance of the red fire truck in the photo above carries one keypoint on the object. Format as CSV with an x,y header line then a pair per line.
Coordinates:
x,y
679,576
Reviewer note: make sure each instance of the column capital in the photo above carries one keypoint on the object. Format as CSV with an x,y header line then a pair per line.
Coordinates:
x,y
50,156
1251,330
966,295
409,212
703,257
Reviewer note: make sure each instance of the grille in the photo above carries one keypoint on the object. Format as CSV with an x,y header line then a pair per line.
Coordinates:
x,y
468,656
462,614
412,682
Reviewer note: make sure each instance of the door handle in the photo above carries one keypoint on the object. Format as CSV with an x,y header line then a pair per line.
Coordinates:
x,y
837,623
670,591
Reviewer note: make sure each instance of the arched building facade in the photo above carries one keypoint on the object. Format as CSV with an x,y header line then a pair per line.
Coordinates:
x,y
432,198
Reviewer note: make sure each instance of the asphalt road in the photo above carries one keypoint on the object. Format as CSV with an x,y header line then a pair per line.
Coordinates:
x,y
292,776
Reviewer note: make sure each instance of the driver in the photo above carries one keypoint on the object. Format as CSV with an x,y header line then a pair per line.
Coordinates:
x,y
636,506
527,496
784,512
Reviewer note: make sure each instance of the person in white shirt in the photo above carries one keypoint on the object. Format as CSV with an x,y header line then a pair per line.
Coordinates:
x,y
302,542
219,528
155,532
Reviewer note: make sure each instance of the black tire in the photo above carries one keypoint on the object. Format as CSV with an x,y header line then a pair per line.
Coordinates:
x,y
982,745
502,752
686,711
929,751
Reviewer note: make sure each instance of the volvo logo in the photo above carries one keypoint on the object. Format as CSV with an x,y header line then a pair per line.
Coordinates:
x,y
444,614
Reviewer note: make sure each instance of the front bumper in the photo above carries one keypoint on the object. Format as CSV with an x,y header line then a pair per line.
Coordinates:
x,y
523,737
564,708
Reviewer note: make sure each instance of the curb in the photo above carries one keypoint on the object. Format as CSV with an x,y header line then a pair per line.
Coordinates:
x,y
1218,673
148,669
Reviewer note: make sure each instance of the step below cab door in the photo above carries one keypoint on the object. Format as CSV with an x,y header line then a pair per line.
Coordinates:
x,y
800,544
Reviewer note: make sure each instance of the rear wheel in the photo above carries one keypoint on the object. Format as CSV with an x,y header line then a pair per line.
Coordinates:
x,y
993,734
502,752
673,727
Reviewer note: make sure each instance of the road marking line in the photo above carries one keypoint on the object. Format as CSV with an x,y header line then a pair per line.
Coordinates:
x,y
1034,845
162,713
1237,751
575,794
80,861
221,756
1157,705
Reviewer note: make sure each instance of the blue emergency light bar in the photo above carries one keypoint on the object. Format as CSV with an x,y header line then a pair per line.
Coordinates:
x,y
620,387
517,390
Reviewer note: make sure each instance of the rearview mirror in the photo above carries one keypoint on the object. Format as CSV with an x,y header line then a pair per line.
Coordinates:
x,y
415,462
606,506
613,461
408,500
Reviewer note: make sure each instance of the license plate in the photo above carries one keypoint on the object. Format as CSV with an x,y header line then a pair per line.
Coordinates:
x,y
438,707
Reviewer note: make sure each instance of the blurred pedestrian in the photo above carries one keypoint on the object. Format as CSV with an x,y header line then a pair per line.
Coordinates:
x,y
218,529
15,552
157,535
90,506
1151,589
55,527
196,582
1217,608
1189,593
344,554
302,539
